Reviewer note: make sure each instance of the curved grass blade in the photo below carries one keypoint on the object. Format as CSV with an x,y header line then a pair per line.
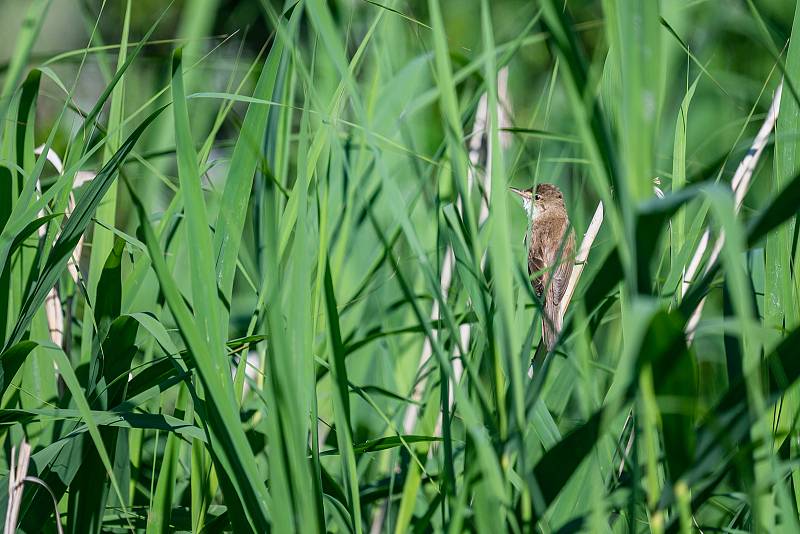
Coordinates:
x,y
382,444
104,418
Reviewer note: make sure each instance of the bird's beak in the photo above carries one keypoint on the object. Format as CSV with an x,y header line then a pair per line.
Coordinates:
x,y
520,192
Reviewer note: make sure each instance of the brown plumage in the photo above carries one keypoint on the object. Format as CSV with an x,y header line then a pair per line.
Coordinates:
x,y
551,252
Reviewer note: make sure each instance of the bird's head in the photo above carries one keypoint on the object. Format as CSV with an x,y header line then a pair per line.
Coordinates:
x,y
539,200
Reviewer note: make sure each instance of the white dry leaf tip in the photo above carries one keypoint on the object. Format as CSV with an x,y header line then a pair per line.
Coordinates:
x,y
740,185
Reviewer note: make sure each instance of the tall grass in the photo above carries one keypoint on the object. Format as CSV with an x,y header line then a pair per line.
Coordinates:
x,y
302,302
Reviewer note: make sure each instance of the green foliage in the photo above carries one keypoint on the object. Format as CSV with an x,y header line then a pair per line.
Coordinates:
x,y
293,295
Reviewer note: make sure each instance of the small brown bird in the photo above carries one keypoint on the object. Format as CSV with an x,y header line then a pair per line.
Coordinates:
x,y
551,251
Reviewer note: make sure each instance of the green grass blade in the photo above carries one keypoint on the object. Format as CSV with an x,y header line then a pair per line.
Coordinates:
x,y
344,432
239,182
30,29
102,239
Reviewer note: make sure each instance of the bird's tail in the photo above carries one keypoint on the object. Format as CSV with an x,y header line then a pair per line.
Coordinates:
x,y
551,324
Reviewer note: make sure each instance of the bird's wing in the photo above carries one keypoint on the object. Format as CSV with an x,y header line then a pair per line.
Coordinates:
x,y
536,258
554,268
560,269
562,272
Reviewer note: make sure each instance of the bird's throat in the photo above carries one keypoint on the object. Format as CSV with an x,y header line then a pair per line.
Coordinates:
x,y
530,208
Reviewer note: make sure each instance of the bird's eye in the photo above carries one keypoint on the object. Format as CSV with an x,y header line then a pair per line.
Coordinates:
x,y
538,196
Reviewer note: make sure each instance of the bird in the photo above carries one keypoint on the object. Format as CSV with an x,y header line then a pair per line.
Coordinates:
x,y
551,250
